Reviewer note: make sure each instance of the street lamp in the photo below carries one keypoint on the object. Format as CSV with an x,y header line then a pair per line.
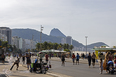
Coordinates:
x,y
41,36
86,44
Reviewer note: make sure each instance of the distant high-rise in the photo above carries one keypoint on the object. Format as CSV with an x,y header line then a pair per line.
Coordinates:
x,y
8,32
63,40
69,40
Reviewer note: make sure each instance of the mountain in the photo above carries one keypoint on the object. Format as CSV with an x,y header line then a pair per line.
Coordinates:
x,y
98,44
56,32
28,33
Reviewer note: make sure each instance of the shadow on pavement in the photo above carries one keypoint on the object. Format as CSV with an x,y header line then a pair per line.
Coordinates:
x,y
3,75
108,74
18,76
4,64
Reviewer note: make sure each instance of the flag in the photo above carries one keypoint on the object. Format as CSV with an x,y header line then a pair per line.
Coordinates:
x,y
96,53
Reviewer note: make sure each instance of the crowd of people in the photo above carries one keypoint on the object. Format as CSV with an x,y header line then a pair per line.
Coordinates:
x,y
75,59
109,59
92,60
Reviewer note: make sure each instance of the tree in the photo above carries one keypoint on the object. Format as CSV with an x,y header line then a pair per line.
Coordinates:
x,y
4,43
59,47
55,46
45,45
71,47
38,46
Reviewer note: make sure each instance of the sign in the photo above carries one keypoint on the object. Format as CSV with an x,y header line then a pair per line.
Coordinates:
x,y
96,53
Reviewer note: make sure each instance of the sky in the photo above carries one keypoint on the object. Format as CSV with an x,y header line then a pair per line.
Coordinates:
x,y
77,18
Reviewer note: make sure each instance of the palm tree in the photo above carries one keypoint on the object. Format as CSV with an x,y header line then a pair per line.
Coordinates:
x,y
38,46
71,47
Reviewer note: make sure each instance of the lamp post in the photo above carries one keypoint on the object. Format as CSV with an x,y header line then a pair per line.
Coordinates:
x,y
86,44
41,36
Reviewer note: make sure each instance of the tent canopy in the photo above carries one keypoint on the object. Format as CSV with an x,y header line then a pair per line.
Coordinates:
x,y
47,51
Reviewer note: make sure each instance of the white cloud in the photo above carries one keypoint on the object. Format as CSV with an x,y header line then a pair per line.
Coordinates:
x,y
77,18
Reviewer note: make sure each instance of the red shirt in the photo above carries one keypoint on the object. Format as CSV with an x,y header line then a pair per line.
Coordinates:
x,y
46,57
115,61
73,56
110,58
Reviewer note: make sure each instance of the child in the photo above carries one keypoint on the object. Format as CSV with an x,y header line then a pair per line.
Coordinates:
x,y
101,66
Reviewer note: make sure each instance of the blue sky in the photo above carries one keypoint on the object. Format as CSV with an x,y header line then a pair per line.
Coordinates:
x,y
76,18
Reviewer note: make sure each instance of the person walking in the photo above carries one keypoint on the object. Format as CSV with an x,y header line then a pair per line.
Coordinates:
x,y
16,63
89,59
93,59
110,58
41,56
101,66
23,58
77,59
3,56
63,59
73,58
28,61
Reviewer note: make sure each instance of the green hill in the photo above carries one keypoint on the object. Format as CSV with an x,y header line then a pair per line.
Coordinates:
x,y
27,34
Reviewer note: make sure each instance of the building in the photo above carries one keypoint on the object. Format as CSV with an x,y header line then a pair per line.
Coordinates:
x,y
3,37
27,44
63,40
20,43
15,41
69,40
23,44
8,32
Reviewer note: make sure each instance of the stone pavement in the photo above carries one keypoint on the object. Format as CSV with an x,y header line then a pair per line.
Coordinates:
x,y
23,72
84,61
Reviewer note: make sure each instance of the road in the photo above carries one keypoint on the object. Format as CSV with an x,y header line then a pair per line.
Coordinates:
x,y
81,70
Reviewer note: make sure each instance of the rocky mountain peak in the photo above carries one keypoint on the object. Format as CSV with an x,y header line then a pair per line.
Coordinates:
x,y
56,32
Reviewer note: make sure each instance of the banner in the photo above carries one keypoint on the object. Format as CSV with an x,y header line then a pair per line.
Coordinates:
x,y
96,53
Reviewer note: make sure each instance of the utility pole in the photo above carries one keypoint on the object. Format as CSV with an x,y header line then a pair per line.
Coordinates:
x,y
32,42
86,44
41,28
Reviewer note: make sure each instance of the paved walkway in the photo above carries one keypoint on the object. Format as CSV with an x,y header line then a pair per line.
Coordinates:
x,y
84,61
21,72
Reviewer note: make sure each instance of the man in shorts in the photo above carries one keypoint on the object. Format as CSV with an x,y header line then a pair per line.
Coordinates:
x,y
77,59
